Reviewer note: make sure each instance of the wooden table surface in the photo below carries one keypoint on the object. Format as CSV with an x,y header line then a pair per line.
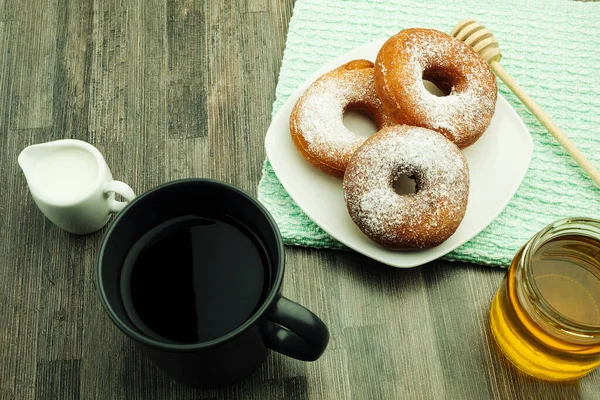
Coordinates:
x,y
168,89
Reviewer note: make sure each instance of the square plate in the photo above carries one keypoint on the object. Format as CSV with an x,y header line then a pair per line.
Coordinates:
x,y
498,162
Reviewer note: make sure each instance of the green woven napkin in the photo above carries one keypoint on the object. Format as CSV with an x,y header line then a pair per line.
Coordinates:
x,y
552,48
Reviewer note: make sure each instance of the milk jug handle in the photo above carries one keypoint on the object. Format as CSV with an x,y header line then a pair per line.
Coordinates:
x,y
121,189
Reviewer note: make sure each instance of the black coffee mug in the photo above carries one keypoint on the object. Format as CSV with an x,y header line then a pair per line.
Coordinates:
x,y
278,323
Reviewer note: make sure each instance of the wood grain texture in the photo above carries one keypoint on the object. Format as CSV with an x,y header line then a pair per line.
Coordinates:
x,y
168,89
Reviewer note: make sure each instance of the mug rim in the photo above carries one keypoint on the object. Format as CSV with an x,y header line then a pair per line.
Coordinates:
x,y
141,338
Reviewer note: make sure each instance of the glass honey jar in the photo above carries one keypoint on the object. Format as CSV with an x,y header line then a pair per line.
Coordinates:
x,y
545,317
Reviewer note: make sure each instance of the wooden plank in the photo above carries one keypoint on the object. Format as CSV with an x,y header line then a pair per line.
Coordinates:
x,y
60,330
26,92
57,380
22,251
312,280
60,326
380,305
286,388
368,350
450,294
109,80
7,12
102,370
259,78
142,161
4,87
72,70
33,58
142,380
187,147
280,12
328,377
252,6
224,94
188,59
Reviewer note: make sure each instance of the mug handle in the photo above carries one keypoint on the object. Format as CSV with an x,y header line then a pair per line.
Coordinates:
x,y
119,188
293,330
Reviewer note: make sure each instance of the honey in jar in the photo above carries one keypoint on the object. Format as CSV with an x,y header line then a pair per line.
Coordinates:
x,y
545,317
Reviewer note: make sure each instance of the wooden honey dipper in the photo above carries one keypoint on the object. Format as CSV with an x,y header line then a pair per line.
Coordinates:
x,y
485,44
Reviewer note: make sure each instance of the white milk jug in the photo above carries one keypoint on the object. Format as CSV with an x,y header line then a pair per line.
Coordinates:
x,y
72,185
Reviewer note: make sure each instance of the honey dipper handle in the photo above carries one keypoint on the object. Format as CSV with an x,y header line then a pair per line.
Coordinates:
x,y
537,112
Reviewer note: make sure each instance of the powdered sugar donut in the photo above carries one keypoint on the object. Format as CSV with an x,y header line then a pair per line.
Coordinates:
x,y
316,121
420,220
416,54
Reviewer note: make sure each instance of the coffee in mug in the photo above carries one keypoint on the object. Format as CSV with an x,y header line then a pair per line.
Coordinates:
x,y
191,271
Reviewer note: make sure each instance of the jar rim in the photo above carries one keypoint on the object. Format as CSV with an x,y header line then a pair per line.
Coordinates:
x,y
580,226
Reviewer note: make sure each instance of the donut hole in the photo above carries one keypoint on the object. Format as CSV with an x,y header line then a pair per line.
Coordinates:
x,y
437,83
404,184
359,121
435,89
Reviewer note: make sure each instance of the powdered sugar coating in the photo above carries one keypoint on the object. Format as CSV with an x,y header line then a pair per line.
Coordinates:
x,y
416,54
318,115
423,219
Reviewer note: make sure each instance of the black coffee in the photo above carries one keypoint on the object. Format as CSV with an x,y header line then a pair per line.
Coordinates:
x,y
194,279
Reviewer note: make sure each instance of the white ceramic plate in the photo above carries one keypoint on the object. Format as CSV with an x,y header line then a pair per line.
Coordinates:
x,y
498,162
